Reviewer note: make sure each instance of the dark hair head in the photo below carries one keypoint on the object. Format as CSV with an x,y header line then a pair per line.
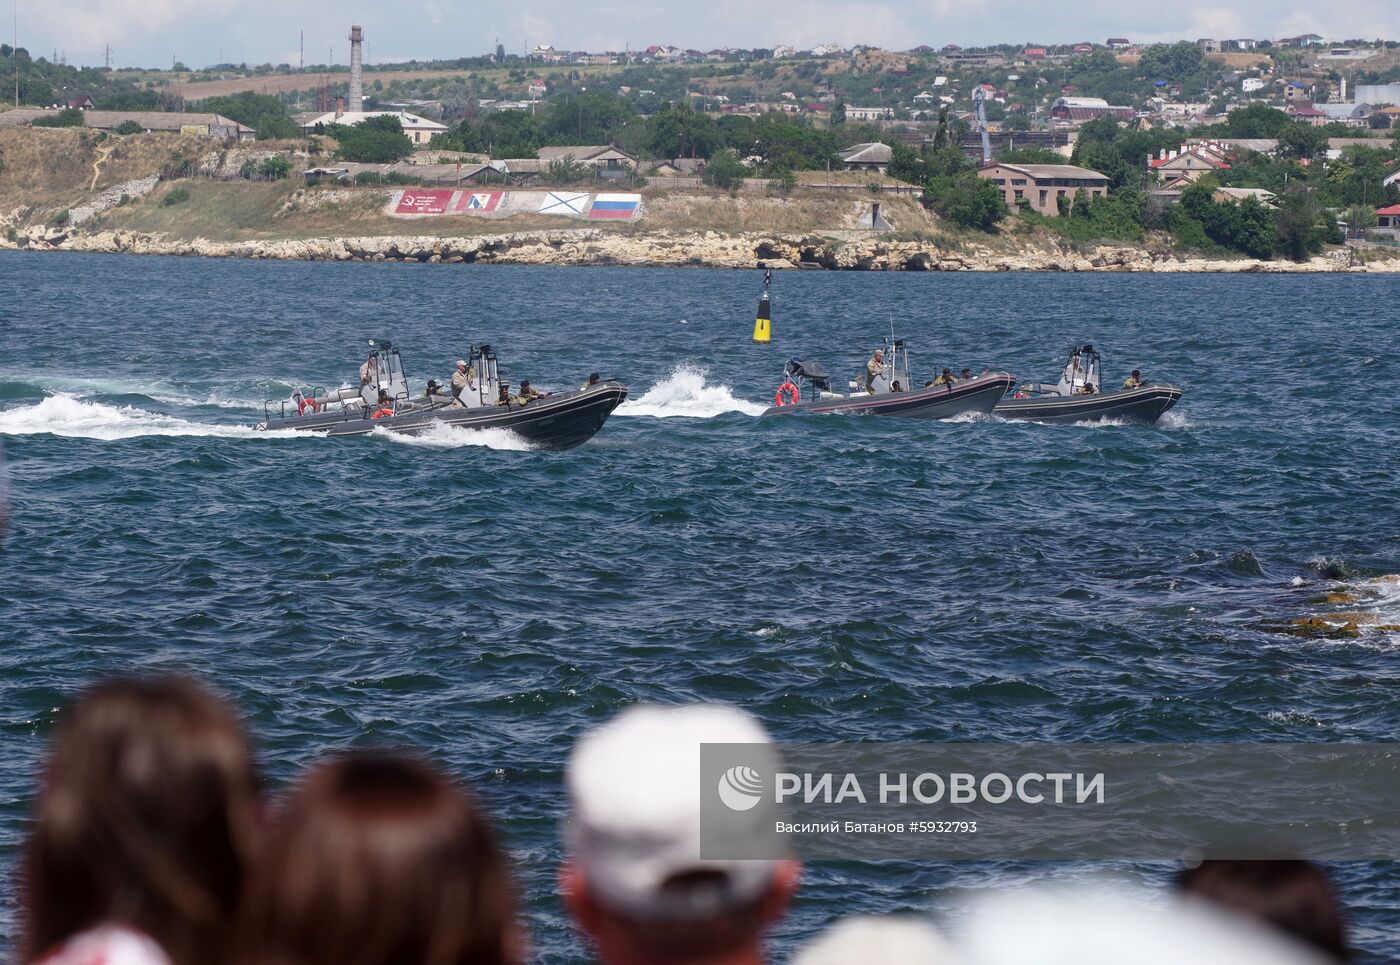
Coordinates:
x,y
146,817
1294,896
1136,373
379,859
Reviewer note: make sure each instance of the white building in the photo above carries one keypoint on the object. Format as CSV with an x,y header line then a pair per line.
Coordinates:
x,y
420,130
869,113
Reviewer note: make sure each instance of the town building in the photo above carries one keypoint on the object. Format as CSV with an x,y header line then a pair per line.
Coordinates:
x,y
1389,216
870,156
1118,43
1352,115
1294,91
1237,195
680,167
1208,45
419,130
1078,109
869,113
1306,113
606,160
173,122
1303,40
80,103
1378,93
1042,185
1175,169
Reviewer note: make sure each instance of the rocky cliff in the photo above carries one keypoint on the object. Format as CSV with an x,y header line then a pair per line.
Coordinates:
x,y
596,246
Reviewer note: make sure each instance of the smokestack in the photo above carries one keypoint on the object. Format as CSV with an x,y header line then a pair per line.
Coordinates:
x,y
339,108
357,90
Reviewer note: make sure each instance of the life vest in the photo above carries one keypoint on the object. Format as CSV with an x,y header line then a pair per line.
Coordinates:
x,y
788,389
385,412
305,404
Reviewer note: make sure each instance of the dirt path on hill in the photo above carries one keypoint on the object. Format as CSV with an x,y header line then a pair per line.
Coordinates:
x,y
103,153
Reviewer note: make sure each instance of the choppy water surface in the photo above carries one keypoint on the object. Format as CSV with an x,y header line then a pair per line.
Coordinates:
x,y
843,578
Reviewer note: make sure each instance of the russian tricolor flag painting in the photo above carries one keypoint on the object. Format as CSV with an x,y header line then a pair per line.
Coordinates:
x,y
616,207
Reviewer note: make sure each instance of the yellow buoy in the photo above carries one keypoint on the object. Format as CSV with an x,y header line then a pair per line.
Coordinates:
x,y
763,324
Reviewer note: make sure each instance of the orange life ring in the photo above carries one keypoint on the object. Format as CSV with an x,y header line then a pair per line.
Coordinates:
x,y
790,390
305,404
382,413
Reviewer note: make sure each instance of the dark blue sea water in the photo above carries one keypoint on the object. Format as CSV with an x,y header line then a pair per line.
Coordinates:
x,y
844,579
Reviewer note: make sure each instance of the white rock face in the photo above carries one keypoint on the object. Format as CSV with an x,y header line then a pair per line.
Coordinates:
x,y
596,246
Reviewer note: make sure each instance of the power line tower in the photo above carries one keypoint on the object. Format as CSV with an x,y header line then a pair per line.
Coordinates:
x,y
107,57
301,62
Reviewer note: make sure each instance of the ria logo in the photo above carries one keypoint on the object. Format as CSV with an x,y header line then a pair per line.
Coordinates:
x,y
740,788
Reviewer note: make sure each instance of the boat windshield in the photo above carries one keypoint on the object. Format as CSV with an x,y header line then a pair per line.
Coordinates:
x,y
1081,374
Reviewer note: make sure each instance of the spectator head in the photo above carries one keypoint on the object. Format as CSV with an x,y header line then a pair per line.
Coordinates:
x,y
888,940
1137,373
379,859
594,378
1293,896
146,818
634,881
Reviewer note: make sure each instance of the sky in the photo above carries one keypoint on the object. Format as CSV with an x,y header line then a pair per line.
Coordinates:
x,y
153,33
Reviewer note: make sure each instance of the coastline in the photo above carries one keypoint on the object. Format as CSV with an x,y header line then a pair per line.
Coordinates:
x,y
675,249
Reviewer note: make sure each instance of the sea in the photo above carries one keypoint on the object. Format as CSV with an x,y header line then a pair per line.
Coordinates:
x,y
842,578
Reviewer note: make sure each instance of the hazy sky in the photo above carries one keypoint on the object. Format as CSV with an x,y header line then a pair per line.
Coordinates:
x,y
201,32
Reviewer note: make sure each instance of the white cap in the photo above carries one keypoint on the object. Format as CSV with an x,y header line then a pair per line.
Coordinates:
x,y
889,940
462,362
634,786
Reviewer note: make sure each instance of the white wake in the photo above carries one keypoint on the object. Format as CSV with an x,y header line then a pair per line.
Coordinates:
x,y
685,392
62,415
444,436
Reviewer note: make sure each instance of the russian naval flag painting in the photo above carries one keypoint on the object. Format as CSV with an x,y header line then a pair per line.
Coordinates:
x,y
616,207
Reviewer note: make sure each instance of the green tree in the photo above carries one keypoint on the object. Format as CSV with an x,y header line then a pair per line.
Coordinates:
x,y
566,170
966,200
274,167
127,127
1301,141
838,114
377,140
907,164
679,131
272,127
725,170
1030,155
246,107
1255,120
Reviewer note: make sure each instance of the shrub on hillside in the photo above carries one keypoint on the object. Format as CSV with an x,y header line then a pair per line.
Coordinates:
x,y
128,127
274,168
68,117
174,197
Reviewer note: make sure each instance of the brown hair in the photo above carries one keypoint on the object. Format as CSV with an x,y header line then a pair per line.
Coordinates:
x,y
1294,896
379,859
145,817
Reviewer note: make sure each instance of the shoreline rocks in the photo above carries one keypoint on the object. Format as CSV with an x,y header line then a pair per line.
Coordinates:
x,y
843,251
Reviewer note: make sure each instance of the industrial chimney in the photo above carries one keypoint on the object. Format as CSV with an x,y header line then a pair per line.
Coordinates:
x,y
357,89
